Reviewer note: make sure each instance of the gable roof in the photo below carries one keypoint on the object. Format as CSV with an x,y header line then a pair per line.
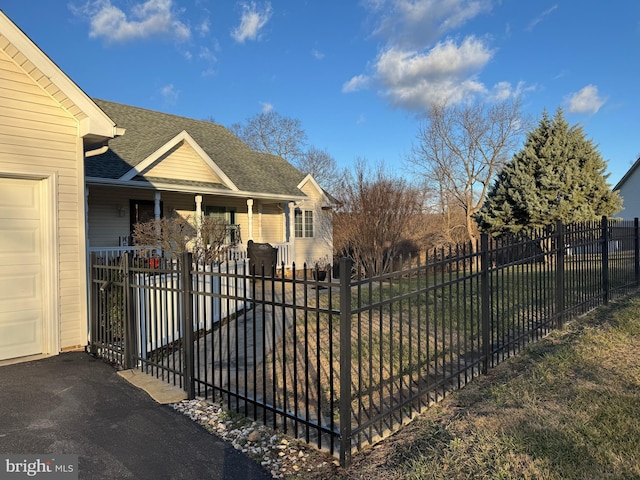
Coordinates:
x,y
328,199
95,125
149,134
627,175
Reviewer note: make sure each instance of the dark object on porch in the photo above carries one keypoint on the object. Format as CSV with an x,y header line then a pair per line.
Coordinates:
x,y
262,255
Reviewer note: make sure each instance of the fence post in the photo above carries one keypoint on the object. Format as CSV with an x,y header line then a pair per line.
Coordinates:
x,y
560,241
636,251
605,259
485,301
186,298
130,341
345,361
93,305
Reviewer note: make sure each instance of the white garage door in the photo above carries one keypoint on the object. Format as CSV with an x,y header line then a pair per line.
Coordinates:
x,y
21,304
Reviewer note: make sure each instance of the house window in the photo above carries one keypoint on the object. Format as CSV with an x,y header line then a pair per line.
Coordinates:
x,y
303,223
228,216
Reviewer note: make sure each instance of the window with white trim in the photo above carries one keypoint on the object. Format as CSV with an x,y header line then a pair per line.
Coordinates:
x,y
228,215
303,223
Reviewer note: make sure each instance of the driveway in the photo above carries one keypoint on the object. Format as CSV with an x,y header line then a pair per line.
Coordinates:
x,y
75,404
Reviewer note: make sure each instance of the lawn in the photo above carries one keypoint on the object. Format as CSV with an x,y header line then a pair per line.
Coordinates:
x,y
567,407
413,340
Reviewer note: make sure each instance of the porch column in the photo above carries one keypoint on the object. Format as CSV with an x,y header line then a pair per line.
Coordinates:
x,y
156,206
250,218
86,216
291,212
291,207
285,219
198,219
260,239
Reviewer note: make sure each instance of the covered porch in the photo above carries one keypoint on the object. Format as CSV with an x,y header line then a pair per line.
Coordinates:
x,y
112,211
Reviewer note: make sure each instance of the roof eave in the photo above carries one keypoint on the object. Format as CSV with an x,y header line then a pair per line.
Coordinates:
x,y
97,125
198,190
627,175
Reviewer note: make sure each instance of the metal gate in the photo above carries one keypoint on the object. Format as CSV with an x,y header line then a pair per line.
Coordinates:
x,y
136,315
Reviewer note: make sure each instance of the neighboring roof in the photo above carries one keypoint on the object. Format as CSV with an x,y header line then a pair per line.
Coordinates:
x,y
627,175
95,125
149,132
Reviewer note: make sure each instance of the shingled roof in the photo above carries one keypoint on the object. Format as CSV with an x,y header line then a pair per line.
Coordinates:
x,y
147,131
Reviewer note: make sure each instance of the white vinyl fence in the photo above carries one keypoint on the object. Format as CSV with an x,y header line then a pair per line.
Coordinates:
x,y
157,303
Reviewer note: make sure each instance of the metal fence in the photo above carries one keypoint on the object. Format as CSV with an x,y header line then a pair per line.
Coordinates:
x,y
343,362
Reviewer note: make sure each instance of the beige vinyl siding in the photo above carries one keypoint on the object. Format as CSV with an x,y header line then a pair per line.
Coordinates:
x,y
321,245
310,191
105,224
40,137
180,163
272,224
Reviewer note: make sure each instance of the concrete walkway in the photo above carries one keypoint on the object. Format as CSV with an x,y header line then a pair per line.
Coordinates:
x,y
240,344
75,404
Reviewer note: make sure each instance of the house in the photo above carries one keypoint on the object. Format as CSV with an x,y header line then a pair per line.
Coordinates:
x,y
629,189
72,178
166,165
46,124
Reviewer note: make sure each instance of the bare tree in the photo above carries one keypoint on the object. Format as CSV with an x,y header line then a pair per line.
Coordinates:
x,y
320,165
375,217
206,237
460,150
270,132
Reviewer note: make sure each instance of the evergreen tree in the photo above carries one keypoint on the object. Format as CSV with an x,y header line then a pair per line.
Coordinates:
x,y
558,175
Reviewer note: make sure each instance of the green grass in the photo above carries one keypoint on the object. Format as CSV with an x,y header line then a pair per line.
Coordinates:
x,y
419,339
566,408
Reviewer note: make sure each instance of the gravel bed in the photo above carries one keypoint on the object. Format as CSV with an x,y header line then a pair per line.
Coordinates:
x,y
280,455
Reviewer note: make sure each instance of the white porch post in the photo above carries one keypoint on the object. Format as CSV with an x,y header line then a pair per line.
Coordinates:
x,y
156,206
292,235
260,239
156,216
86,215
198,219
285,217
250,217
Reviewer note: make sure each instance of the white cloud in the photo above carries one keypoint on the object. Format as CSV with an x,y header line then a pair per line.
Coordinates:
x,y
418,66
504,90
253,19
203,28
414,24
446,73
358,82
207,55
150,18
586,100
169,93
540,17
317,54
209,72
266,107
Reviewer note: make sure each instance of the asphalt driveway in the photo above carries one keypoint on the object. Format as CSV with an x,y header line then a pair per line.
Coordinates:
x,y
75,404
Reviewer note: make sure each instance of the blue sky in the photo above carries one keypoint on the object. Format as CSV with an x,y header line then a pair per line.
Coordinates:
x,y
357,74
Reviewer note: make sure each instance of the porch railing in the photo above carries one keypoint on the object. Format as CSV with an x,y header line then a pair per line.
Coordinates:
x,y
238,252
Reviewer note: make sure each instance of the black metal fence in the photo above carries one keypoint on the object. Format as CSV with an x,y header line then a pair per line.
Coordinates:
x,y
345,361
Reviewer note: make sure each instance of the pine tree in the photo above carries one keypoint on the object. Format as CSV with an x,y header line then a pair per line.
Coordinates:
x,y
558,175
